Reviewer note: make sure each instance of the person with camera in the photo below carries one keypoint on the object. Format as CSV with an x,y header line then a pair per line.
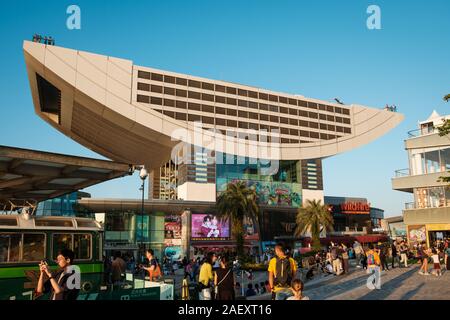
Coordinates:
x,y
57,282
282,270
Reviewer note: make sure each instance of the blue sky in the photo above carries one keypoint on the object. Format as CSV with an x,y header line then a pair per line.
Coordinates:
x,y
320,49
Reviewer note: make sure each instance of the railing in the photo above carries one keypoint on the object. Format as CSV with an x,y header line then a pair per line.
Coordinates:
x,y
421,132
410,205
402,173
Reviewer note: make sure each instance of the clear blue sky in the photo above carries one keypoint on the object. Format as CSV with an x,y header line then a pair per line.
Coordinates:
x,y
320,49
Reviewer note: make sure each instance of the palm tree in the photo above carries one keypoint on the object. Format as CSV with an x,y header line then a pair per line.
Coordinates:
x,y
314,217
447,98
235,203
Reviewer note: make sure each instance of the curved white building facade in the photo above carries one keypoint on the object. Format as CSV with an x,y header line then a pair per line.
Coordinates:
x,y
137,114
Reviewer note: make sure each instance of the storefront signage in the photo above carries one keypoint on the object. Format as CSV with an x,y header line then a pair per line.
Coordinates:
x,y
351,208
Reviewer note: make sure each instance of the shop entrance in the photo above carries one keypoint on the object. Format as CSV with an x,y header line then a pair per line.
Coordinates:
x,y
438,236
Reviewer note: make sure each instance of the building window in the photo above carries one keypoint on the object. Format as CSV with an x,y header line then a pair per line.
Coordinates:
x,y
144,75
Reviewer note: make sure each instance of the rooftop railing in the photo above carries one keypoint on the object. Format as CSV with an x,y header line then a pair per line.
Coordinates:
x,y
402,173
410,205
421,132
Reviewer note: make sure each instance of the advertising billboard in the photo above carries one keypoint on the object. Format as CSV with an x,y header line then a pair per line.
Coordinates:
x,y
417,234
172,227
209,227
269,193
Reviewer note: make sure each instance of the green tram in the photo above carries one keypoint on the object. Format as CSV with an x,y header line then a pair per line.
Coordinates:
x,y
27,240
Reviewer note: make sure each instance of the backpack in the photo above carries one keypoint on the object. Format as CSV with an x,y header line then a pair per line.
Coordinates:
x,y
283,272
370,259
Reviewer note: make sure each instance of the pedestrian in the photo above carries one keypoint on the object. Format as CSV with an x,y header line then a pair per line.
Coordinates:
x,y
358,251
404,253
257,289
336,262
345,258
436,263
267,286
153,268
263,287
237,290
382,252
56,282
373,258
447,256
297,290
282,269
224,281
394,254
118,267
422,252
206,276
250,291
106,270
363,260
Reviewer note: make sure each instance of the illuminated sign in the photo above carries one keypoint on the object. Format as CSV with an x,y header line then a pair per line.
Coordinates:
x,y
352,208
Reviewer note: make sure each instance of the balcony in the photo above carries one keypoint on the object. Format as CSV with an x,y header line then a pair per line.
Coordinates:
x,y
421,132
402,173
410,205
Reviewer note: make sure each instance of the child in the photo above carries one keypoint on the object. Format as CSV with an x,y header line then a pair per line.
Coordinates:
x,y
436,263
297,290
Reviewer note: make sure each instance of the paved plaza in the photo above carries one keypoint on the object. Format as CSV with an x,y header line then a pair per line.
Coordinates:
x,y
396,284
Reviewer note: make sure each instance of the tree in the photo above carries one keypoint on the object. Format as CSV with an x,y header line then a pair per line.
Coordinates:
x,y
445,128
234,204
443,131
314,217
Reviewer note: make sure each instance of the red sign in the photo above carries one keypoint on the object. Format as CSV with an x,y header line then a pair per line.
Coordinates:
x,y
355,208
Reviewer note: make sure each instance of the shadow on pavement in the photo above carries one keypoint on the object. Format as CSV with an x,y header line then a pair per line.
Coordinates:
x,y
386,288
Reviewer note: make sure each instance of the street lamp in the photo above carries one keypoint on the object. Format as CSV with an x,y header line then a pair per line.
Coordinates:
x,y
143,174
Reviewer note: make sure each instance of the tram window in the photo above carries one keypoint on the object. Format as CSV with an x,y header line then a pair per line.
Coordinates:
x,y
82,246
10,247
86,223
61,241
10,222
33,247
53,223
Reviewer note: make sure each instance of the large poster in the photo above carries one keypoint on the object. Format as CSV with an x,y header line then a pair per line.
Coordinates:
x,y
172,227
417,234
142,227
270,193
209,227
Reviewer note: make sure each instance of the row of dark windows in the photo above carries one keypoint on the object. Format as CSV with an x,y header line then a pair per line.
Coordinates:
x,y
230,90
257,127
240,113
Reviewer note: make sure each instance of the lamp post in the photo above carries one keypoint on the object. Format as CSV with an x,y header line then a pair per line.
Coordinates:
x,y
143,175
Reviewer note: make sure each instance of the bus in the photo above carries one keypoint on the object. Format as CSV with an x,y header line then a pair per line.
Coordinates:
x,y
27,240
